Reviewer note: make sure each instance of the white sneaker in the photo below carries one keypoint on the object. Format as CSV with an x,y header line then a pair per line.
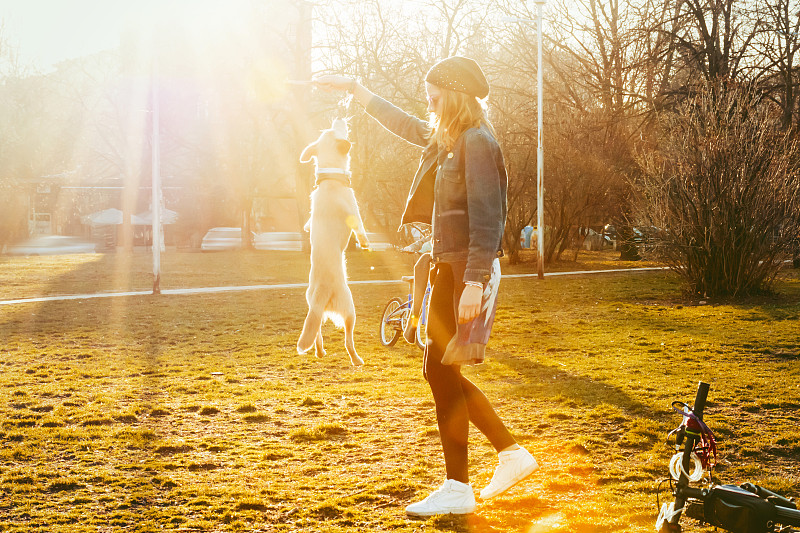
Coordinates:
x,y
515,465
453,497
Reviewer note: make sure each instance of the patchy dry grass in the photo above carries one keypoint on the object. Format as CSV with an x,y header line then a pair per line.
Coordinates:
x,y
194,413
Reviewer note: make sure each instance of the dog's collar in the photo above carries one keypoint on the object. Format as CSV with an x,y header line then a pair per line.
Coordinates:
x,y
339,174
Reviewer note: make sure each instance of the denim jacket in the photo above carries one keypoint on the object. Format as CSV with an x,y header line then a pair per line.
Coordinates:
x,y
461,193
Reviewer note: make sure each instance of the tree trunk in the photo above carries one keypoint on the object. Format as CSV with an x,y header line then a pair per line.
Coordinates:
x,y
628,251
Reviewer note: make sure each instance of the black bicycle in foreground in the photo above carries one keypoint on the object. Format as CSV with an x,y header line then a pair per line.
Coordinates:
x,y
746,508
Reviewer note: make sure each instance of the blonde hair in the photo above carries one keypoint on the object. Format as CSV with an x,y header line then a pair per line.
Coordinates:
x,y
460,112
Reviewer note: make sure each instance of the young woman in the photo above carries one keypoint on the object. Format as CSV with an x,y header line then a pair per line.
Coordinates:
x,y
460,189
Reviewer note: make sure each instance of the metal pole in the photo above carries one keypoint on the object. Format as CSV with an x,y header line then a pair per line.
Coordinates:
x,y
299,106
156,193
540,148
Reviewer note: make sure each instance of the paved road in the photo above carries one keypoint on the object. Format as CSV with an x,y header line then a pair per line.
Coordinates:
x,y
282,286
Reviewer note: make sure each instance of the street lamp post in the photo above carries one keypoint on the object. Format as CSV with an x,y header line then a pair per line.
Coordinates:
x,y
155,210
540,146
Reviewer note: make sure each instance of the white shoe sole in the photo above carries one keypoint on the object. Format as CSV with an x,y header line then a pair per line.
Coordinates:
x,y
427,514
516,479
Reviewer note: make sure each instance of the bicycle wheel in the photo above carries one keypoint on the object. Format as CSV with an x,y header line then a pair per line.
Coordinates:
x,y
391,322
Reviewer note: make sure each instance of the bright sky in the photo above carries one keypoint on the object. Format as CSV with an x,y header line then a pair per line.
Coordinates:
x,y
45,32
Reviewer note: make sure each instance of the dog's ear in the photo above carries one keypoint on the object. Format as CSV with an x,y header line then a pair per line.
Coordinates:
x,y
343,146
308,152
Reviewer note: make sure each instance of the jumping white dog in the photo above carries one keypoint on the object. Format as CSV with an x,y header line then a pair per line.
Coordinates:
x,y
334,216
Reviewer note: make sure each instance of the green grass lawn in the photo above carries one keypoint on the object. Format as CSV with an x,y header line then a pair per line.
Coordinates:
x,y
195,413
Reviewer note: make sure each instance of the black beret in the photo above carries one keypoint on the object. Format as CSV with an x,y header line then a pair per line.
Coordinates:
x,y
460,74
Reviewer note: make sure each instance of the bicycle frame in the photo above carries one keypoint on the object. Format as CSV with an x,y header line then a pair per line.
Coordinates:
x,y
397,315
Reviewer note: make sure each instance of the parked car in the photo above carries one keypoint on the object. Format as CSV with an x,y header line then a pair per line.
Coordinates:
x,y
53,245
218,239
610,234
278,240
293,241
641,236
646,236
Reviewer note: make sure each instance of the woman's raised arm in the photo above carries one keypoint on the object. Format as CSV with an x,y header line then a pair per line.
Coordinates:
x,y
333,82
412,129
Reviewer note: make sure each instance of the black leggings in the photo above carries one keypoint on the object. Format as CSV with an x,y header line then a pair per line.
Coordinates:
x,y
458,400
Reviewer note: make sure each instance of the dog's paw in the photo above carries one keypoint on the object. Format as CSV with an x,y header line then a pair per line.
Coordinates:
x,y
356,360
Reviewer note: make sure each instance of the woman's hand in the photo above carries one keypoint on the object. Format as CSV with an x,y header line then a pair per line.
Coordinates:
x,y
332,82
470,304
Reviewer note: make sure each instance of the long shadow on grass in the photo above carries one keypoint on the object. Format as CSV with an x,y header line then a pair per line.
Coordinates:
x,y
547,382
783,303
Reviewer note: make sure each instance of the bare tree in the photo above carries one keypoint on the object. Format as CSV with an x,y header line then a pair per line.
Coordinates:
x,y
778,42
37,143
712,39
11,219
594,60
516,132
595,55
458,22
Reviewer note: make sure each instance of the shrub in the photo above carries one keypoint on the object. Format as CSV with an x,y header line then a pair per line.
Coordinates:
x,y
722,192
